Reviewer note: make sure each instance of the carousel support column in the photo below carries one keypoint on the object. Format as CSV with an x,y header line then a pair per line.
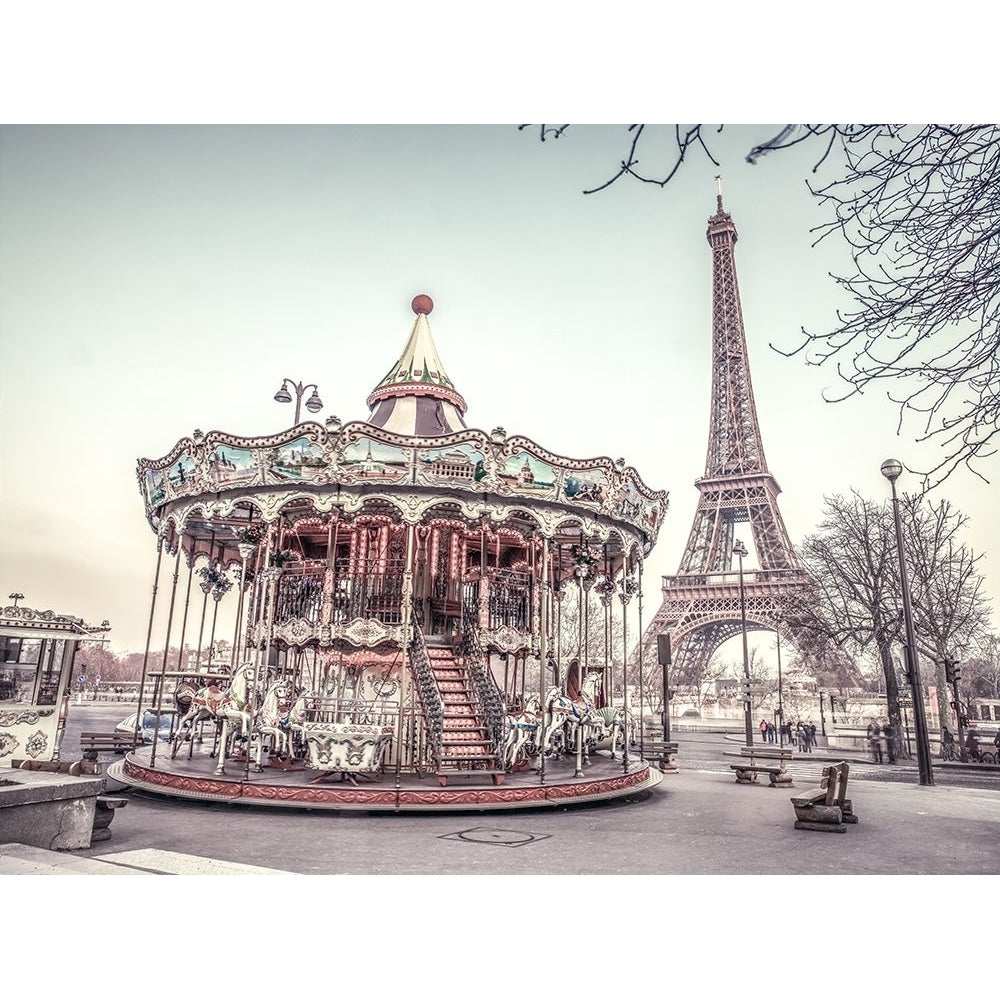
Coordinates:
x,y
606,593
628,587
268,583
326,609
166,641
251,616
581,654
180,655
204,607
237,646
543,649
246,549
404,667
149,628
642,682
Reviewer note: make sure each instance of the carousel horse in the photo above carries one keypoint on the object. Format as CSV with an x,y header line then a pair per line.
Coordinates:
x,y
568,720
522,727
234,709
619,729
202,706
273,720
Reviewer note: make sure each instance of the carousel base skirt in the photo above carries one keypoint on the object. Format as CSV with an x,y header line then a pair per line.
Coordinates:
x,y
301,788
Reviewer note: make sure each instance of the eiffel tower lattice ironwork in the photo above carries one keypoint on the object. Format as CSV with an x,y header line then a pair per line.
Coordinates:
x,y
701,606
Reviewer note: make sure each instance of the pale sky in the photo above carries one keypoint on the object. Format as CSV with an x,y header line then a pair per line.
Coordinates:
x,y
157,279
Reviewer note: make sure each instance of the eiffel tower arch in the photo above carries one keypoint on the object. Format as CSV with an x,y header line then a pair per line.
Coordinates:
x,y
701,607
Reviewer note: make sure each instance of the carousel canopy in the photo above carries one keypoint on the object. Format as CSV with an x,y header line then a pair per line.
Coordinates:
x,y
416,397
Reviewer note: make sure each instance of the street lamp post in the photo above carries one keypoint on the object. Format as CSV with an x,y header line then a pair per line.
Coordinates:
x,y
740,551
822,717
891,469
313,404
781,707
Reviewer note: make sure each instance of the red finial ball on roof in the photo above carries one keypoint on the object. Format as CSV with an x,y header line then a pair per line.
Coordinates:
x,y
422,304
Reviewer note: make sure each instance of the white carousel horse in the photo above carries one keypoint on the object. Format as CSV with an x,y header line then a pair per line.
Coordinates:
x,y
202,706
522,727
619,729
273,720
233,709
568,720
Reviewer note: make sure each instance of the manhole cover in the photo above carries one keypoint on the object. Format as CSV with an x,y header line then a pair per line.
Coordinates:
x,y
498,838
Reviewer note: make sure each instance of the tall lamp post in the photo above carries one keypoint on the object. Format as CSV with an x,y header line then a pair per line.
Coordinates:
x,y
891,469
781,707
313,404
740,550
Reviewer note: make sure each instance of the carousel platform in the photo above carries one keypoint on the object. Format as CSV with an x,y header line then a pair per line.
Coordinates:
x,y
303,788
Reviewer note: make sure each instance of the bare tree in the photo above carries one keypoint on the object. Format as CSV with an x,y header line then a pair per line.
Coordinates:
x,y
856,605
919,208
950,614
852,559
981,671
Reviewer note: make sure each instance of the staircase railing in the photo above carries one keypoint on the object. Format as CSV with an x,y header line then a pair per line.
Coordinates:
x,y
490,701
427,688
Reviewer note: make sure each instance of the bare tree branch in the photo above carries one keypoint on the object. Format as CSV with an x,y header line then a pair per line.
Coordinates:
x,y
919,208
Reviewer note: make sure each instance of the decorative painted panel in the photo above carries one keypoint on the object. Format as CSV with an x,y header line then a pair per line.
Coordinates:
x,y
231,466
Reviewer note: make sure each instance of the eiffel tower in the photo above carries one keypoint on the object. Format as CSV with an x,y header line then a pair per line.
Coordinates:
x,y
701,606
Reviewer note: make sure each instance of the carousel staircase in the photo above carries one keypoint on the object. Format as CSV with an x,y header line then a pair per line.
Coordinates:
x,y
466,749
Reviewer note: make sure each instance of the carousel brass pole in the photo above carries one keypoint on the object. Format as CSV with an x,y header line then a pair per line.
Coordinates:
x,y
543,652
180,654
166,647
149,630
407,596
625,597
204,606
639,632
187,604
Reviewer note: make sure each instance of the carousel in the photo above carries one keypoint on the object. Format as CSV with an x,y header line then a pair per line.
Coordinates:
x,y
426,615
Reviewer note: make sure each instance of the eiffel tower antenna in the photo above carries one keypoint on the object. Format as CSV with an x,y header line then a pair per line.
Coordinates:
x,y
701,606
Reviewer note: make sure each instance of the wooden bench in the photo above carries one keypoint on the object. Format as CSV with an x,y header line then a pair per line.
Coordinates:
x,y
661,754
769,760
92,743
73,768
827,808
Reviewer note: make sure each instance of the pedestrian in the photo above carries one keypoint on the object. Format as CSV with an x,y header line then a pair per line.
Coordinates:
x,y
800,736
770,732
972,745
874,733
889,732
763,731
812,735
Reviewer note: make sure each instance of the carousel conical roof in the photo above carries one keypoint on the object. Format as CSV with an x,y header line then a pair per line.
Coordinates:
x,y
416,397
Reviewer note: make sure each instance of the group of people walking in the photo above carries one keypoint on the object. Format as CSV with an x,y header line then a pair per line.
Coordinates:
x,y
884,741
801,734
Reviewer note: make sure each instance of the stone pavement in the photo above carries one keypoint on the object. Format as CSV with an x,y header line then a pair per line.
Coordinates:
x,y
693,823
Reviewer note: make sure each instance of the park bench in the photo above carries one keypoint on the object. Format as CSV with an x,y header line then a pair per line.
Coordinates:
x,y
827,808
92,743
768,760
660,753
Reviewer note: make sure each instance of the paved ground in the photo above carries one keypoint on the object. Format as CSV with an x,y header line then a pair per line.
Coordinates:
x,y
694,823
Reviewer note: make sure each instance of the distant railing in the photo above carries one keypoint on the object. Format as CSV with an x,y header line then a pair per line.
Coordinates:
x,y
716,579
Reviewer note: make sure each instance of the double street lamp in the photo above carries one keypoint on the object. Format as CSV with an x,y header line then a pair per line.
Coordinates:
x,y
740,550
891,469
313,404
